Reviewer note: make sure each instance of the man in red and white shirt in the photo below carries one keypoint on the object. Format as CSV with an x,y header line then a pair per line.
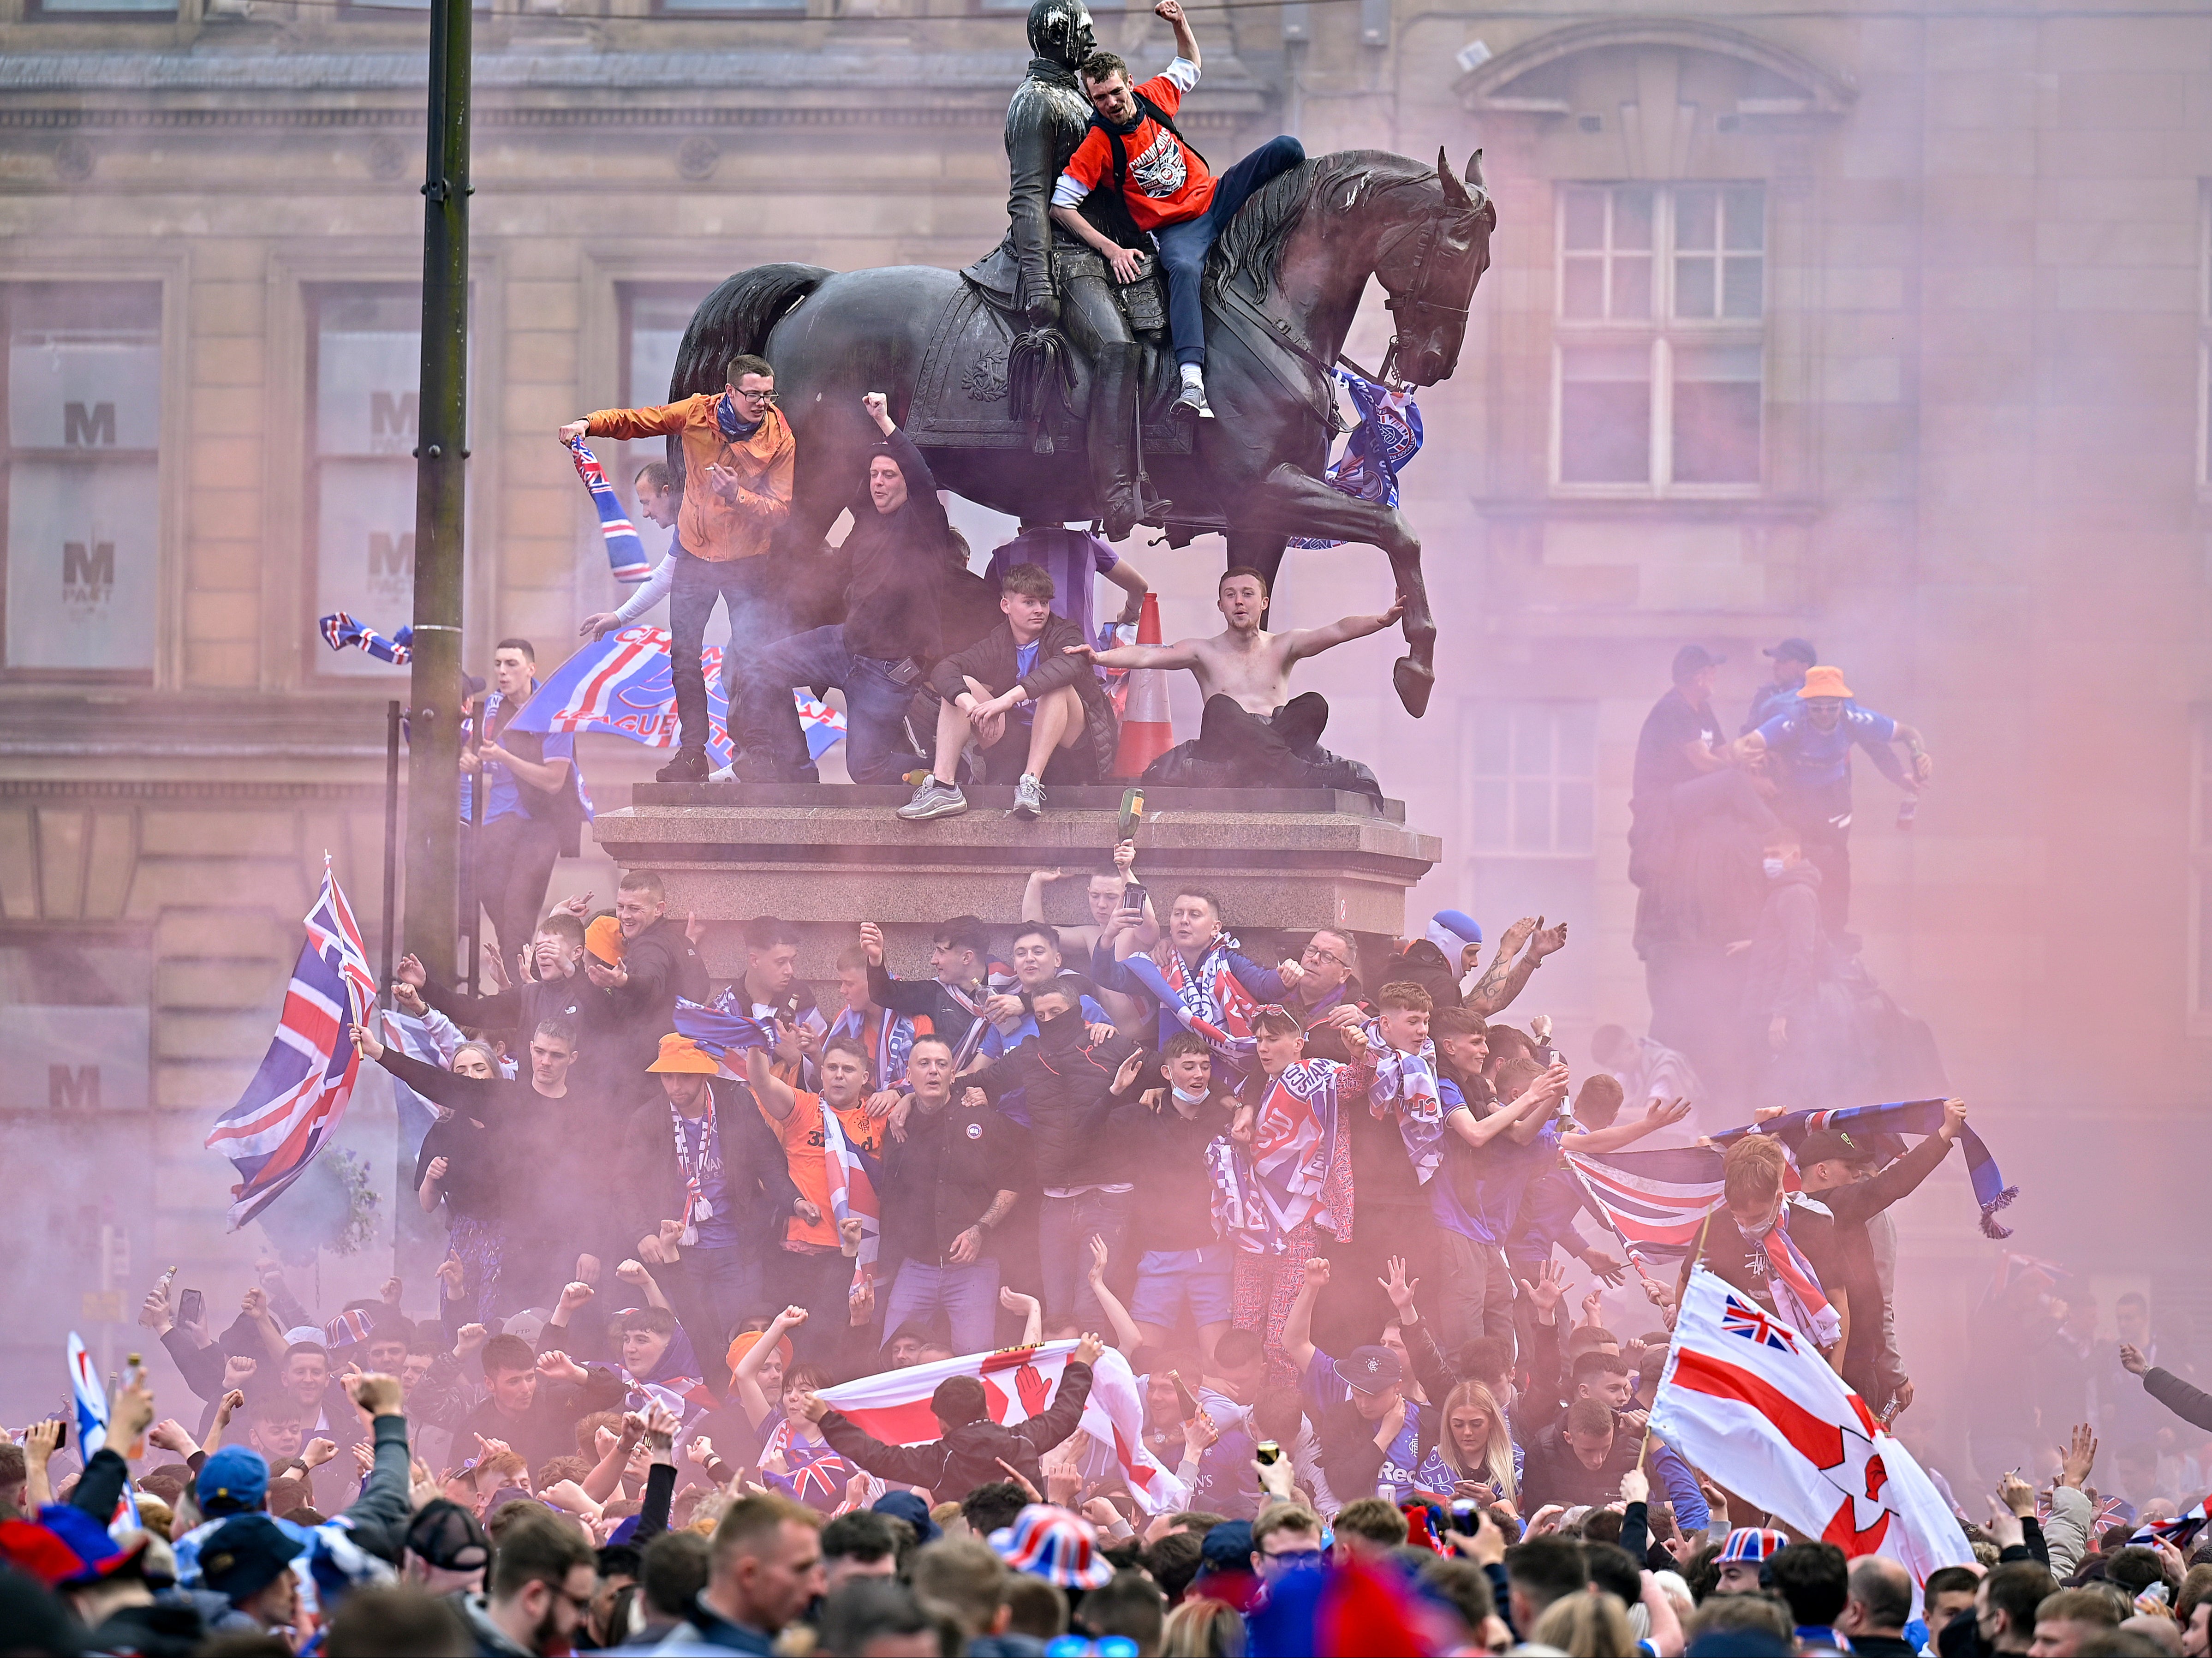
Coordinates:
x,y
1133,145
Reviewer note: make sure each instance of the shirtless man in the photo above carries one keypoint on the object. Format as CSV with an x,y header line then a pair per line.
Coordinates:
x,y
1252,724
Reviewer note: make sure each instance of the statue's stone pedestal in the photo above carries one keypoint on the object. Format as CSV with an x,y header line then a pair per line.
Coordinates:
x,y
826,857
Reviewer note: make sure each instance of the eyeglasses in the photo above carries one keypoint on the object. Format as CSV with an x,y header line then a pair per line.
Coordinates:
x,y
753,397
1315,952
1289,1558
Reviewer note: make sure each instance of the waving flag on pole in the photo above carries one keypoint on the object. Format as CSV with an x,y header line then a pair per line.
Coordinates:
x,y
91,1400
1018,1384
1654,1201
624,684
1749,1400
625,552
292,1105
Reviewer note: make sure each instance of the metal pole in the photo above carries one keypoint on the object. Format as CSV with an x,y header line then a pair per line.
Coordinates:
x,y
435,691
390,838
400,1171
472,889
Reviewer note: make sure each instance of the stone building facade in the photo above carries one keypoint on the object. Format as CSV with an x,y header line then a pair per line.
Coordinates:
x,y
1882,328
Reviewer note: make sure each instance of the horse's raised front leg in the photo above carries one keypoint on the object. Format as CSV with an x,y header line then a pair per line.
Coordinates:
x,y
1289,502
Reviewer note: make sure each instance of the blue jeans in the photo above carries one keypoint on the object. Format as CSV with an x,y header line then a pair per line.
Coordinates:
x,y
1183,246
877,696
967,1295
1064,1229
1169,1280
752,590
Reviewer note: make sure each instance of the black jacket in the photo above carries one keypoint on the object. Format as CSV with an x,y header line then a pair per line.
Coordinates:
x,y
652,1186
968,1456
1067,1084
992,661
662,966
1167,1158
1552,1473
901,561
2192,1405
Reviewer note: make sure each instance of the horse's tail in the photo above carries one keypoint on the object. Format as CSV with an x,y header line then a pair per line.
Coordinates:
x,y
736,318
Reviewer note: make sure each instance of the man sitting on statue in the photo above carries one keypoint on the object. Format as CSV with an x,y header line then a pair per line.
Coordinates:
x,y
1133,144
1253,734
1033,709
897,551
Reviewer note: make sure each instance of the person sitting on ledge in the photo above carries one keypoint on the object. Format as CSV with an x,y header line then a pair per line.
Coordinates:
x,y
1033,709
1253,734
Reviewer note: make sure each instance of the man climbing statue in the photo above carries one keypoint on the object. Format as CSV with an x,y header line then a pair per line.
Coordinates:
x,y
1057,280
1166,183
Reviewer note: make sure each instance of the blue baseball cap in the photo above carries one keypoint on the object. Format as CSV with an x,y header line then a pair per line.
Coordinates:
x,y
235,1480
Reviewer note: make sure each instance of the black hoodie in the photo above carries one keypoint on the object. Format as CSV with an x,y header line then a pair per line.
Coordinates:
x,y
1067,1082
969,1455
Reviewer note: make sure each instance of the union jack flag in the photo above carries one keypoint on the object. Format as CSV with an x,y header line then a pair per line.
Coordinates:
x,y
853,1175
1742,1318
2178,1531
1655,1201
294,1104
354,1325
624,683
625,552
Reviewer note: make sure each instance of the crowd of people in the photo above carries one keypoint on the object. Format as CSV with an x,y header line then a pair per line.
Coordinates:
x,y
1740,849
1326,1233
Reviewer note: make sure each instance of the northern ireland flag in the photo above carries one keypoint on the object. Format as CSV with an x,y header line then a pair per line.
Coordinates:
x,y
1749,1400
1019,1383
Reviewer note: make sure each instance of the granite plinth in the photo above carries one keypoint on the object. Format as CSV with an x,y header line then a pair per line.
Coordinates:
x,y
826,857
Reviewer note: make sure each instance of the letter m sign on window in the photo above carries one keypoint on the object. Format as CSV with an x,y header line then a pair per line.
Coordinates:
x,y
73,1087
86,425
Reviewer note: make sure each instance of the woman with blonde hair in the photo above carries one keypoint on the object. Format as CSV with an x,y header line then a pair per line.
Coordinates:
x,y
1478,1448
1586,1626
1203,1629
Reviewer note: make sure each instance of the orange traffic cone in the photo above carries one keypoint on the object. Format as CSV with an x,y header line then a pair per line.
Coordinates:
x,y
1147,732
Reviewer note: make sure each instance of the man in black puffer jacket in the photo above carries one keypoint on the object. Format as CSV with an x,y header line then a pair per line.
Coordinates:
x,y
973,1446
1070,1082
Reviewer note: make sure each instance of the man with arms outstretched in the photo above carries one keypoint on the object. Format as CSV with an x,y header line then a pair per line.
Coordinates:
x,y
1254,734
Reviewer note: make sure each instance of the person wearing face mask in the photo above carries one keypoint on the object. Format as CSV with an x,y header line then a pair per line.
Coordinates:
x,y
1779,1248
1071,1079
1182,1263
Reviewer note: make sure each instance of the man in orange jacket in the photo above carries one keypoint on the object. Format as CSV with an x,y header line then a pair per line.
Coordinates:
x,y
738,461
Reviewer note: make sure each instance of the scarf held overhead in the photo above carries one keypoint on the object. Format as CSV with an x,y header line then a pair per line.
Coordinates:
x,y
1405,1086
1903,1117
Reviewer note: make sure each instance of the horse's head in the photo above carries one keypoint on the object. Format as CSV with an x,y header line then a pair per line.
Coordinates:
x,y
1429,266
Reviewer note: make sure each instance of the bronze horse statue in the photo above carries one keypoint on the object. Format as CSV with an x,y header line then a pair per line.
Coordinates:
x,y
1282,287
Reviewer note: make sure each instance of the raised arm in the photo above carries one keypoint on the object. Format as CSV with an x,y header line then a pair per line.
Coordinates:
x,y
1495,991
1658,1115
1297,1323
1125,1327
657,420
1182,653
774,1094
383,1498
432,1082
745,1378
1304,642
